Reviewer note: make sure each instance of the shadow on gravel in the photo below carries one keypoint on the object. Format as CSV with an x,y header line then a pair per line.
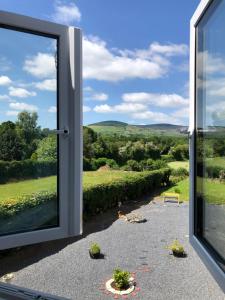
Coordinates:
x,y
15,259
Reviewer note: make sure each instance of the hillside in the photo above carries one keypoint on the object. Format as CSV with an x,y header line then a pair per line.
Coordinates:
x,y
121,128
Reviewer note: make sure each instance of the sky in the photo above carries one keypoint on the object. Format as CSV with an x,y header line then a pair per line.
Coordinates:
x,y
135,60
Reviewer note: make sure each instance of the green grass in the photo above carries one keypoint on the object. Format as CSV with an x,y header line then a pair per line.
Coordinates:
x,y
179,164
26,187
216,161
97,177
183,186
214,190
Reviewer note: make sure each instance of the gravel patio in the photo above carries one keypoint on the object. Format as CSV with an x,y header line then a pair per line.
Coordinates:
x,y
64,267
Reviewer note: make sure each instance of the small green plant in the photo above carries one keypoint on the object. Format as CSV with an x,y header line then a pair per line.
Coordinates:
x,y
95,249
177,248
177,191
121,278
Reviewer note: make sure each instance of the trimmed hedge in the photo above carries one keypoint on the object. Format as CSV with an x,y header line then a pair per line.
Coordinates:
x,y
10,207
107,195
26,169
99,197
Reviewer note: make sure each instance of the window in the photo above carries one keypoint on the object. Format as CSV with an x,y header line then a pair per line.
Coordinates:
x,y
207,210
41,128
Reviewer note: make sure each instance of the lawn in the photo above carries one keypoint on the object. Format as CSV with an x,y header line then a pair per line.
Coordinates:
x,y
179,164
216,161
97,177
26,187
183,186
215,190
12,190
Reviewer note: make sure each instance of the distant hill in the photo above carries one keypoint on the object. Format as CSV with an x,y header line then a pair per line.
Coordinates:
x,y
121,128
109,123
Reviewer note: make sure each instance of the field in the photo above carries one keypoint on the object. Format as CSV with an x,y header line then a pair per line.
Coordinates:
x,y
179,164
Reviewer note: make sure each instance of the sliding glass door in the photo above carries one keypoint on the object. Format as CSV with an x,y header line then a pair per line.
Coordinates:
x,y
207,209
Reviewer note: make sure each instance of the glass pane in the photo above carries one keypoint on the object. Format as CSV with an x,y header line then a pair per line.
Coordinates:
x,y
210,122
28,143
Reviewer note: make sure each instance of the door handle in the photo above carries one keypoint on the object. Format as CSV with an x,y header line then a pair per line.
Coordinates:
x,y
64,131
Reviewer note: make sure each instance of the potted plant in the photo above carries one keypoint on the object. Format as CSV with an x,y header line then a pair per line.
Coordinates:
x,y
95,250
121,284
177,249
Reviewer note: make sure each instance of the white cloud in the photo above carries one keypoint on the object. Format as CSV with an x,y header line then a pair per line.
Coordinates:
x,y
41,65
86,108
52,109
102,64
88,89
182,113
5,98
106,64
159,100
5,80
169,49
12,113
20,92
213,63
66,13
47,85
19,106
120,108
158,117
98,97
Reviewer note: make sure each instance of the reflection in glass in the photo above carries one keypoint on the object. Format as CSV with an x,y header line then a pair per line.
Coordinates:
x,y
28,145
210,123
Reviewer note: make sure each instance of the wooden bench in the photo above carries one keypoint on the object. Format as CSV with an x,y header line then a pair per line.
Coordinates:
x,y
169,196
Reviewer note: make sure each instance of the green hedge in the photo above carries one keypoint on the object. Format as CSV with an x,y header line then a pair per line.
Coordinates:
x,y
10,207
96,198
25,169
107,195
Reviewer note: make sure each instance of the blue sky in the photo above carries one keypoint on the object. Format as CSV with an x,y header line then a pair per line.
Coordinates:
x,y
135,60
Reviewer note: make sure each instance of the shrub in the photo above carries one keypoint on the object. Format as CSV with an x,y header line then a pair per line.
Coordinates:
x,y
177,248
121,278
132,165
213,171
107,195
181,172
87,166
177,190
150,164
167,157
25,169
95,249
102,161
11,207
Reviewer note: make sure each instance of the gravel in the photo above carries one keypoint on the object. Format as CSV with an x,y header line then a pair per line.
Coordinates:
x,y
64,267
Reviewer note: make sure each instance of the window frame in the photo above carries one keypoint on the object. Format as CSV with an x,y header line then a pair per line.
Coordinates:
x,y
69,116
200,247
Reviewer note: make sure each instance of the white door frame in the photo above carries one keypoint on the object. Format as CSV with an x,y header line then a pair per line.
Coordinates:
x,y
70,116
200,248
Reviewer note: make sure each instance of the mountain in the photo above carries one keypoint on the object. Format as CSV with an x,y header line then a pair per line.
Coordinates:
x,y
121,128
109,123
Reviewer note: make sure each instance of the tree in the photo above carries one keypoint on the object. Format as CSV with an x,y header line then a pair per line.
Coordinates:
x,y
11,145
28,130
180,152
89,137
47,148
